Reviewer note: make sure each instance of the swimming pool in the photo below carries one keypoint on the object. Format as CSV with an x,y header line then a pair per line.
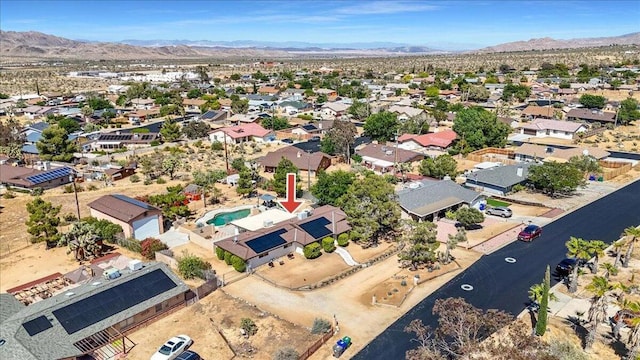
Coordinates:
x,y
224,218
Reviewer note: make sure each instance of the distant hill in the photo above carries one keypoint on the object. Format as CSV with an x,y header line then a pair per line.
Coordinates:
x,y
549,43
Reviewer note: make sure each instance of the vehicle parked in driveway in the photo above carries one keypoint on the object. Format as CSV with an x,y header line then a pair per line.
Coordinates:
x,y
530,232
314,138
189,355
172,348
501,211
565,267
287,141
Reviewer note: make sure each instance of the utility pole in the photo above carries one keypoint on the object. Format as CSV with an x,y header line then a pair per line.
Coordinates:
x,y
309,170
72,178
226,154
395,163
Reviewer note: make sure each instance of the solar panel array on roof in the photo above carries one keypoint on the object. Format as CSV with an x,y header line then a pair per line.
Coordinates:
x,y
49,175
37,325
88,311
317,228
131,201
267,242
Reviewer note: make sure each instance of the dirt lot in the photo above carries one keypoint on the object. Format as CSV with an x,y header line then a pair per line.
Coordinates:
x,y
298,272
220,313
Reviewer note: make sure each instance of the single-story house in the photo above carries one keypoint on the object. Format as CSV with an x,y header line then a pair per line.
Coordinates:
x,y
242,133
306,129
91,319
429,200
552,128
193,192
214,116
533,112
406,112
334,109
432,141
142,104
302,160
117,140
498,180
193,105
533,152
589,115
138,116
138,219
382,158
265,245
28,178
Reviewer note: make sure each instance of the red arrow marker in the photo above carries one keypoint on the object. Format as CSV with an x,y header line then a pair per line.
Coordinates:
x,y
290,204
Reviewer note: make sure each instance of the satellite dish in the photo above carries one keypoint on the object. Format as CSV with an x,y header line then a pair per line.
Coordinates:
x,y
585,152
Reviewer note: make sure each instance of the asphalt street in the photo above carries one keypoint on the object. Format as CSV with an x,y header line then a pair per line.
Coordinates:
x,y
500,284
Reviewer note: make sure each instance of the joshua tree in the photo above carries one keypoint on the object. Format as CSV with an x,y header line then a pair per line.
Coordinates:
x,y
599,287
452,242
83,241
634,234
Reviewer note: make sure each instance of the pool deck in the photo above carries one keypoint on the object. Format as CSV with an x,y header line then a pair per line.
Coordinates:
x,y
211,214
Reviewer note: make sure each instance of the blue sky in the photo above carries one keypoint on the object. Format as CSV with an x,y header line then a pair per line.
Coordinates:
x,y
451,24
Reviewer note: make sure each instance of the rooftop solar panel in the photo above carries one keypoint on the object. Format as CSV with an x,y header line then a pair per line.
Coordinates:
x,y
102,305
131,201
267,242
37,325
317,228
49,175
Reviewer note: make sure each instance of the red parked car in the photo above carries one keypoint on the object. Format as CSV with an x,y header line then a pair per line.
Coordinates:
x,y
530,232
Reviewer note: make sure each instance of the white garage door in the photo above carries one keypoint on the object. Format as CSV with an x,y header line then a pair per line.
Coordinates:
x,y
147,227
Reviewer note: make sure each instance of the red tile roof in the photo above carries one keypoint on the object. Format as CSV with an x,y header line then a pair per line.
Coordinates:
x,y
440,139
242,130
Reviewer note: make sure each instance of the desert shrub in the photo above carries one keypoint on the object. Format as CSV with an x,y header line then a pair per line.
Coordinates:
x,y
37,191
217,146
320,326
155,143
312,251
328,245
149,246
248,326
518,187
67,189
160,180
134,178
286,353
227,257
148,182
69,217
238,264
9,194
355,236
220,253
563,349
106,229
92,187
449,214
343,239
191,266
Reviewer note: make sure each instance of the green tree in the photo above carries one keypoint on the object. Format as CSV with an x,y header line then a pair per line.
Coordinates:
x,y
238,264
330,186
479,128
207,180
422,243
245,182
382,126
11,138
579,249
55,145
452,243
239,106
171,164
83,241
312,251
279,181
596,250
341,137
371,208
69,125
520,92
477,93
170,131
628,111
235,77
599,287
541,323
415,125
172,203
196,130
443,165
105,229
587,164
556,178
328,244
191,266
633,233
97,103
194,94
359,110
633,340
468,216
43,221
592,101
275,123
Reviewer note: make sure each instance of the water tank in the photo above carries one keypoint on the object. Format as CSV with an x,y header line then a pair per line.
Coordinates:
x,y
135,265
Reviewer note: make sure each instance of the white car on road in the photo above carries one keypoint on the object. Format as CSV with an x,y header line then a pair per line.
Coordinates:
x,y
172,348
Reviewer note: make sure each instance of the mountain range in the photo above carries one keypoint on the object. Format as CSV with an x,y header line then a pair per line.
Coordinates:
x,y
36,45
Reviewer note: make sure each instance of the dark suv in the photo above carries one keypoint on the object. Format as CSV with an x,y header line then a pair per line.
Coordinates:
x,y
530,232
188,355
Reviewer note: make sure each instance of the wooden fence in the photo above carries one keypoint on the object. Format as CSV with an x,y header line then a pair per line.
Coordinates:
x,y
207,288
491,153
614,169
313,348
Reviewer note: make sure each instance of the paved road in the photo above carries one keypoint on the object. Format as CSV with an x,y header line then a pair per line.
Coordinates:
x,y
498,284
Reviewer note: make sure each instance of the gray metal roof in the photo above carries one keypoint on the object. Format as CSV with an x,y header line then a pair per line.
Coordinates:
x,y
501,176
55,342
433,196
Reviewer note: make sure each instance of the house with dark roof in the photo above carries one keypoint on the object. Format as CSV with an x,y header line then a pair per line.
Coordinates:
x,y
90,319
29,178
257,248
137,219
591,116
214,116
430,200
498,180
113,141
381,158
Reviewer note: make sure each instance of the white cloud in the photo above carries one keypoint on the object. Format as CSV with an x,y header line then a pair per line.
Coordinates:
x,y
385,7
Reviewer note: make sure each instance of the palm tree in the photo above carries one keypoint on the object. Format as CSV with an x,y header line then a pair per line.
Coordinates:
x,y
617,247
599,287
535,293
576,248
596,249
624,305
633,341
609,269
634,233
